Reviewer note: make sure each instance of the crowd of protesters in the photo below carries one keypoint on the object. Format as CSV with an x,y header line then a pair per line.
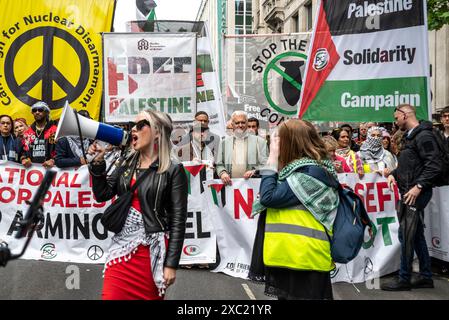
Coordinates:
x,y
243,153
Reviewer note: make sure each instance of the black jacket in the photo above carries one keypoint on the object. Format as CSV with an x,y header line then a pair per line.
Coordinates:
x,y
64,154
167,192
419,161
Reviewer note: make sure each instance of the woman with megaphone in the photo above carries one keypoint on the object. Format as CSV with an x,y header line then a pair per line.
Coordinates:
x,y
145,251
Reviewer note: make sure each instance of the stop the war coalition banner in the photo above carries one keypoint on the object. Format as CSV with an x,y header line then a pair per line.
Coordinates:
x,y
51,50
149,70
366,58
264,75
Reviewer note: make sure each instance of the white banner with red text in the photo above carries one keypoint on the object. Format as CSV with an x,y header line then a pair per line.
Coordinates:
x,y
71,230
230,212
230,209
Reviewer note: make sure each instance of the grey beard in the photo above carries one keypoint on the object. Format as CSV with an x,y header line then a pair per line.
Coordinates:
x,y
240,134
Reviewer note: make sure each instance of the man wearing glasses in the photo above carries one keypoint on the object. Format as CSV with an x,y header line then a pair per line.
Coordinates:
x,y
240,154
38,142
419,165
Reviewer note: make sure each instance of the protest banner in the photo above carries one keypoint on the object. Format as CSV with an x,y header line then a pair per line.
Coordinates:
x,y
200,242
50,50
149,70
436,220
381,255
71,230
264,75
208,93
366,58
235,229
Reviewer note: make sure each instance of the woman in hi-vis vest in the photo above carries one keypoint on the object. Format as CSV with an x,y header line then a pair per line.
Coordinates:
x,y
298,203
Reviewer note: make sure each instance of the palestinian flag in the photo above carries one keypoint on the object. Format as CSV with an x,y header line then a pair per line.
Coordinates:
x,y
366,58
217,189
192,171
146,10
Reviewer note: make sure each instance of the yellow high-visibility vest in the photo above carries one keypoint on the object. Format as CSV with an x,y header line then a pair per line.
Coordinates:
x,y
294,239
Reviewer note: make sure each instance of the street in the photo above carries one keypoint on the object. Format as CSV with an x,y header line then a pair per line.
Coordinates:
x,y
41,280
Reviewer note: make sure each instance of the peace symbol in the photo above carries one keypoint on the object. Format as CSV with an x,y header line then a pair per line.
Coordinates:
x,y
47,72
95,252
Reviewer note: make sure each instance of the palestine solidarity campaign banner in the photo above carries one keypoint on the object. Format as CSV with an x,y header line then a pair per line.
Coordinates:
x,y
366,58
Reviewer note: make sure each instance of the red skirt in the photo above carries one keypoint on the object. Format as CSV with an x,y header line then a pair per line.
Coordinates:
x,y
132,279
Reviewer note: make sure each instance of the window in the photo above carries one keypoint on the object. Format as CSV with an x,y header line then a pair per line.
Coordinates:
x,y
309,16
295,23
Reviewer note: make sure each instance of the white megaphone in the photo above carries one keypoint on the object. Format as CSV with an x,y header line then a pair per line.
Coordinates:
x,y
89,128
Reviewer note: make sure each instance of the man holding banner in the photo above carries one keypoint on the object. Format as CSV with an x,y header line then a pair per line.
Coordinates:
x,y
418,168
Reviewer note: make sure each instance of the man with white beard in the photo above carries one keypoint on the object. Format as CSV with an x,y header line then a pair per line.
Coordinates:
x,y
240,155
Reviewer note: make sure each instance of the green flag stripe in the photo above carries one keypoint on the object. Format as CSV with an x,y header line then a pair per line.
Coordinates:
x,y
368,100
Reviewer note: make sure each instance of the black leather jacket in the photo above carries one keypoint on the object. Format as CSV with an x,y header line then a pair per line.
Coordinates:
x,y
163,199
419,161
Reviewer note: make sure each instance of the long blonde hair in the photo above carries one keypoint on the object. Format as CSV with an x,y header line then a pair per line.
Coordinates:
x,y
162,124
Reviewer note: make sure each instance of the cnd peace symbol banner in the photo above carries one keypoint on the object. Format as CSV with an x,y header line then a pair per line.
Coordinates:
x,y
366,58
51,50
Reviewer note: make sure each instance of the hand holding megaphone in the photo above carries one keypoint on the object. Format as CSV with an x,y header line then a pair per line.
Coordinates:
x,y
97,149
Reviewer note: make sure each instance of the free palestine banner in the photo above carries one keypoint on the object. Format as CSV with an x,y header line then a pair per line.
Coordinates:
x,y
366,58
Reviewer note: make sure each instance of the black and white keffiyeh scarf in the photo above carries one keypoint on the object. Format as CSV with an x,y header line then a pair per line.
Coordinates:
x,y
75,145
372,149
124,245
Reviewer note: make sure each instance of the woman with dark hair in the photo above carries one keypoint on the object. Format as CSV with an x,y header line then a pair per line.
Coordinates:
x,y
143,257
7,142
298,207
344,150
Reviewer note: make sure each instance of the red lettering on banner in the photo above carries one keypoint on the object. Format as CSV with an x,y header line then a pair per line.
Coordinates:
x,y
359,189
97,204
73,183
4,197
67,201
239,201
30,175
63,180
84,199
113,77
24,195
48,196
369,197
22,176
381,186
57,200
11,172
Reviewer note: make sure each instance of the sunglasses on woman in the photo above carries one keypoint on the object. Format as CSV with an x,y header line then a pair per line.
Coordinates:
x,y
142,123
